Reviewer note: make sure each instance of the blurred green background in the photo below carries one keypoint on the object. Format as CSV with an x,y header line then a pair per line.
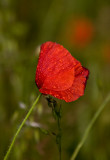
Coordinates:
x,y
81,26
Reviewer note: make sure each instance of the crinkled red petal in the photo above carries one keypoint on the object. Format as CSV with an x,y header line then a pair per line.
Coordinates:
x,y
59,74
75,91
54,61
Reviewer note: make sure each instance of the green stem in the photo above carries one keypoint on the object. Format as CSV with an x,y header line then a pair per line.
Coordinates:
x,y
60,147
97,114
56,112
20,127
59,135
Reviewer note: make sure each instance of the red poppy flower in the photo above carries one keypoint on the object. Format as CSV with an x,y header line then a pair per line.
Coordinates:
x,y
59,74
80,32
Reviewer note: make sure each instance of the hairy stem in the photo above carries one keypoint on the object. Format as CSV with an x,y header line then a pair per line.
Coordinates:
x,y
87,131
56,112
59,136
20,127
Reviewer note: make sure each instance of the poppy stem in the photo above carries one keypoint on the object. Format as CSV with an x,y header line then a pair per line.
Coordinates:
x,y
59,134
87,131
56,112
20,127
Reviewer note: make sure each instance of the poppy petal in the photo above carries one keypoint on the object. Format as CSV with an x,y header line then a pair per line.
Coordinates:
x,y
75,91
59,74
61,81
54,60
